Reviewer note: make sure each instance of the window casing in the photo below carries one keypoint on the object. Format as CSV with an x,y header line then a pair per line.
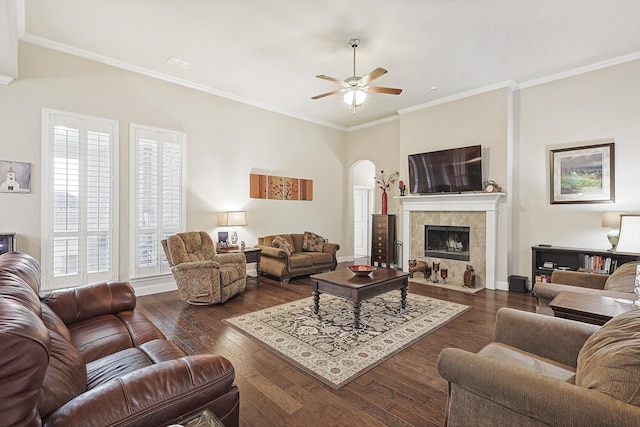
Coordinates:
x,y
157,196
79,227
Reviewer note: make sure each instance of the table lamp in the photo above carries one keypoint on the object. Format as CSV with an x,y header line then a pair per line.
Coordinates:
x,y
612,220
629,234
233,219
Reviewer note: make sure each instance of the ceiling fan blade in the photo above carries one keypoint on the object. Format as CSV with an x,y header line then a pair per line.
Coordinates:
x,y
389,90
331,79
373,75
327,94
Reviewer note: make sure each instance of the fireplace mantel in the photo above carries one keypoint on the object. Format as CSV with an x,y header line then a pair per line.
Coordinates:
x,y
457,202
463,202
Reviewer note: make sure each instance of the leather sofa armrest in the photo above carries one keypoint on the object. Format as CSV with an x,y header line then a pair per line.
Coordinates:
x,y
87,301
272,252
150,396
545,399
550,337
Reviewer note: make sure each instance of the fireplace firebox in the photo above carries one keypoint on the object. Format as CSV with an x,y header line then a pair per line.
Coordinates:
x,y
444,241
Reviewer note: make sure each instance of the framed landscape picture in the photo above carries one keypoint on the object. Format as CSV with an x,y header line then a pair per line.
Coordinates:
x,y
583,174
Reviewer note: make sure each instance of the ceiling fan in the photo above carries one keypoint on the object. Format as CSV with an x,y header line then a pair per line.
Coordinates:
x,y
355,88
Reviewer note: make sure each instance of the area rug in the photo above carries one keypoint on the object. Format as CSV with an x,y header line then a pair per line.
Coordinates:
x,y
328,347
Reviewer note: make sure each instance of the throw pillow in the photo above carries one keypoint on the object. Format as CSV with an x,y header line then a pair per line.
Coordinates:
x,y
609,361
312,242
281,243
623,279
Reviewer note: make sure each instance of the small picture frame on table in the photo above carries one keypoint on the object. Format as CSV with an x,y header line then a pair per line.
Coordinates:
x,y
223,237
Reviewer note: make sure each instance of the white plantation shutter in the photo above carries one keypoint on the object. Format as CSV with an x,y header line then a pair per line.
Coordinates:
x,y
157,194
79,208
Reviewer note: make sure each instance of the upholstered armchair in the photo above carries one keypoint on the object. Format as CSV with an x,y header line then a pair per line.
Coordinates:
x,y
547,371
617,285
203,276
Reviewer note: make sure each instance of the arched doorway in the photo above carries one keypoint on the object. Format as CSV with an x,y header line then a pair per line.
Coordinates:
x,y
362,178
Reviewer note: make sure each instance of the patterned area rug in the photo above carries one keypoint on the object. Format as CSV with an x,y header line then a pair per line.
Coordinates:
x,y
326,345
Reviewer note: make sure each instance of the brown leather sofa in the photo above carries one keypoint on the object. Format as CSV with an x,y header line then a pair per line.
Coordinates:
x,y
85,357
298,261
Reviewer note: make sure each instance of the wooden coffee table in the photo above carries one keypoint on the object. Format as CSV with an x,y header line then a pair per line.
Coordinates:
x,y
345,284
588,308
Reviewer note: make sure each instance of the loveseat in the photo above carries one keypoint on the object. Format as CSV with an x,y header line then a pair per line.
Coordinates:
x,y
617,285
85,357
547,371
289,255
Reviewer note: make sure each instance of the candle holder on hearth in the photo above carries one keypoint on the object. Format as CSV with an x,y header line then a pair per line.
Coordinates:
x,y
436,268
444,273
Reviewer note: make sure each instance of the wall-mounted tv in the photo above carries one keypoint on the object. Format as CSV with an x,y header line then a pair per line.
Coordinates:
x,y
446,171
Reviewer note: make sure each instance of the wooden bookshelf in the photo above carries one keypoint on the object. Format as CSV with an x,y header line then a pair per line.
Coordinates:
x,y
546,259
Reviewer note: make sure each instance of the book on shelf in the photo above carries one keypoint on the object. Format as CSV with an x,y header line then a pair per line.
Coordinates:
x,y
599,264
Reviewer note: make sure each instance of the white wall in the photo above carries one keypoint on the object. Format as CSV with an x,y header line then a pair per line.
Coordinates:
x,y
564,113
225,141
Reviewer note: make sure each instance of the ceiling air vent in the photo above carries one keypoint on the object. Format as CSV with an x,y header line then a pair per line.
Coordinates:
x,y
179,63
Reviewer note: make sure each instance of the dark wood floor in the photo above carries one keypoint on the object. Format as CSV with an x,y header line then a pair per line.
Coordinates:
x,y
405,390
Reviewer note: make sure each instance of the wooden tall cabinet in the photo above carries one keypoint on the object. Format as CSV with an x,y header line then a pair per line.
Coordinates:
x,y
383,237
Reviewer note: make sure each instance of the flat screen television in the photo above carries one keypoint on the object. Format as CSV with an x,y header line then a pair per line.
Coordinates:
x,y
446,171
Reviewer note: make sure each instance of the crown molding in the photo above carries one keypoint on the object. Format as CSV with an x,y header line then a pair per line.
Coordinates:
x,y
581,70
478,91
49,44
373,123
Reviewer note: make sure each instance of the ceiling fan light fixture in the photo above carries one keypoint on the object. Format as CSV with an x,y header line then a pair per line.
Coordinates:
x,y
359,95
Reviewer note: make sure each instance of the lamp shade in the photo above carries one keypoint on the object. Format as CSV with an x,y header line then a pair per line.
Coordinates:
x,y
629,234
611,219
231,219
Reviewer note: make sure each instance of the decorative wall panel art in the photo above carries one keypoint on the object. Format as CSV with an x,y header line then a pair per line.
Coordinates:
x,y
279,187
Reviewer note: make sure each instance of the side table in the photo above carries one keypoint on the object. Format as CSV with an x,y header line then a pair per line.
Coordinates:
x,y
250,254
253,255
594,309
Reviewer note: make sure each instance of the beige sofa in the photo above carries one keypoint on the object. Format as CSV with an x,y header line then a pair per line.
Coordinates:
x,y
547,371
297,260
617,285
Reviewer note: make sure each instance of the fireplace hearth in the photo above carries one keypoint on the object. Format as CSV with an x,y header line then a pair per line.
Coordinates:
x,y
448,242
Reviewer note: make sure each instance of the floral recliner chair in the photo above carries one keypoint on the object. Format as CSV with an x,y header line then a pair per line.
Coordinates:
x,y
203,276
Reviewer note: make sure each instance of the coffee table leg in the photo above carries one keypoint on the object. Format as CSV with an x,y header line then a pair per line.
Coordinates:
x,y
356,315
316,301
403,297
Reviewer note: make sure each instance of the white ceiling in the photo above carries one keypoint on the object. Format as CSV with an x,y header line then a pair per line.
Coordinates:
x,y
267,52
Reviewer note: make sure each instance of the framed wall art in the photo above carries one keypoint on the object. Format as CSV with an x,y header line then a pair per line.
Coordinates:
x,y
583,174
15,177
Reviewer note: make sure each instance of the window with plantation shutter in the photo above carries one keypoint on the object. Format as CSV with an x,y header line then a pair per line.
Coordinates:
x,y
79,202
157,196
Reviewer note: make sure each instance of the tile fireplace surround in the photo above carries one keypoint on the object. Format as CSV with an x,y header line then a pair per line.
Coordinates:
x,y
479,211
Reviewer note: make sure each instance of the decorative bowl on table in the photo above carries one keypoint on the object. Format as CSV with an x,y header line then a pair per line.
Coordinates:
x,y
362,270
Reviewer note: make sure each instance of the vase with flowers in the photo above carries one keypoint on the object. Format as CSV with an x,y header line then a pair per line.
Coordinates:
x,y
383,182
